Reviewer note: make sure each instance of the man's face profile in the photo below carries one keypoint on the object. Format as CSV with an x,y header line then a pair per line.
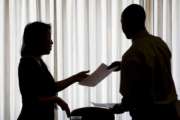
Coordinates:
x,y
126,28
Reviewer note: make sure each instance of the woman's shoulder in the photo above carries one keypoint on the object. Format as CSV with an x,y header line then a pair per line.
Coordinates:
x,y
28,61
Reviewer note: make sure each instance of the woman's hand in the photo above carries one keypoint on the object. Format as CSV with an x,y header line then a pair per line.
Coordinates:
x,y
81,76
64,106
61,85
116,65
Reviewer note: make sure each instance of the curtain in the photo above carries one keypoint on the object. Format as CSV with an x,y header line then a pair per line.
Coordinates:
x,y
85,33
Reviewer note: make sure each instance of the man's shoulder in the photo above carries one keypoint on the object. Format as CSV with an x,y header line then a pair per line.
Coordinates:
x,y
159,42
155,38
132,53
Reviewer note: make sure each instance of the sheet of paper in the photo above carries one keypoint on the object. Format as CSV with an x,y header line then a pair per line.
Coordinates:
x,y
97,76
104,105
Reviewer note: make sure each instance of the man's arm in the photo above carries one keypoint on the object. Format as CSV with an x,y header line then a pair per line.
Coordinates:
x,y
116,64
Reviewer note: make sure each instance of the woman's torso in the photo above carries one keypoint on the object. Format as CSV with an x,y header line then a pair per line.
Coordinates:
x,y
35,81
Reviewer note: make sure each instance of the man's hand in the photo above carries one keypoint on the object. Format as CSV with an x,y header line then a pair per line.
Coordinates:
x,y
116,64
117,109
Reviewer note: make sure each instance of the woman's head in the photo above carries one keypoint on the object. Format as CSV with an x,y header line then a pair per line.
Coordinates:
x,y
36,39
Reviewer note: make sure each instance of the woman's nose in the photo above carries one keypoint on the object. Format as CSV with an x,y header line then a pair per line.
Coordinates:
x,y
51,42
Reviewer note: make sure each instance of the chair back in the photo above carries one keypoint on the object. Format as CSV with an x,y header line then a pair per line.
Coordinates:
x,y
93,113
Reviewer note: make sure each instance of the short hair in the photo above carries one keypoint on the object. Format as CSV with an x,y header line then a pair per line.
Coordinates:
x,y
135,15
31,37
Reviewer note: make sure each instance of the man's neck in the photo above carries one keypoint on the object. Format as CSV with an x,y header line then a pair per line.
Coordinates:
x,y
139,34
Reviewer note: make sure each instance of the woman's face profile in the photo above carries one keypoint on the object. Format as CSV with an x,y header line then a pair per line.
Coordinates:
x,y
45,44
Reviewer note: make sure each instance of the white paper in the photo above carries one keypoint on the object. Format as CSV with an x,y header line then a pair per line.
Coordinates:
x,y
97,76
104,105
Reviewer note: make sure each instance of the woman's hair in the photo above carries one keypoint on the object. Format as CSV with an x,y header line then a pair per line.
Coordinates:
x,y
32,38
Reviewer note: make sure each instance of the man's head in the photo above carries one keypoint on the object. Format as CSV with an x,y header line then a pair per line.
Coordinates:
x,y
133,20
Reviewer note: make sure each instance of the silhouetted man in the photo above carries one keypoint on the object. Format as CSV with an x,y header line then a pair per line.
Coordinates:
x,y
147,85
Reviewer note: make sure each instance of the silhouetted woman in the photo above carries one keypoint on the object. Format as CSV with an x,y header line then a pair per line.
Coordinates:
x,y
37,86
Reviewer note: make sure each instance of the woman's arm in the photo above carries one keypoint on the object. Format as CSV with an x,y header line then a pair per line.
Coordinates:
x,y
54,99
60,85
